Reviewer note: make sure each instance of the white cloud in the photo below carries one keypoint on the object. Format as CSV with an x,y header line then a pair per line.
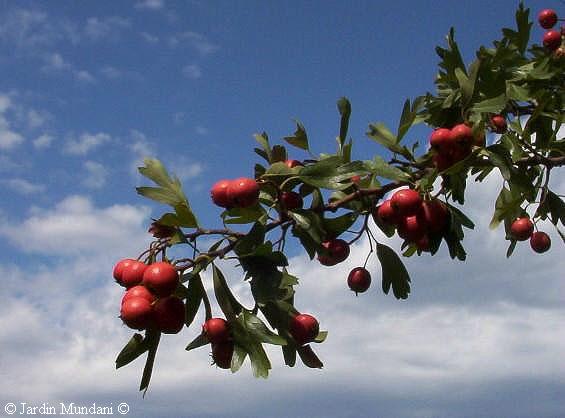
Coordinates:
x,y
43,141
195,40
85,143
85,76
107,27
192,71
96,175
186,170
149,38
150,4
36,118
55,62
111,72
8,137
76,226
27,29
23,186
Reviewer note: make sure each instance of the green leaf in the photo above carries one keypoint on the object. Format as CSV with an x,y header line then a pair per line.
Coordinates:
x,y
516,92
309,358
154,170
381,134
465,84
263,140
136,346
289,354
279,154
460,217
556,208
492,105
227,301
381,168
260,363
194,299
199,341
258,330
337,226
344,108
507,206
238,357
159,194
310,222
245,215
330,173
299,139
153,342
321,337
394,272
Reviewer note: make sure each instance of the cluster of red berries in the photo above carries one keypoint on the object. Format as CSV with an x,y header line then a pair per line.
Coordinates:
x,y
239,193
414,218
523,229
148,302
547,19
453,145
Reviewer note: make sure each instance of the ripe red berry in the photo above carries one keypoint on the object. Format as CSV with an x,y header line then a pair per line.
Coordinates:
x,y
552,39
338,251
499,124
462,134
291,200
406,202
304,328
132,273
217,330
540,242
359,280
119,269
169,314
460,152
161,278
222,354
441,139
547,18
356,179
293,163
521,229
138,292
412,228
219,193
423,244
137,313
386,214
442,161
243,192
434,215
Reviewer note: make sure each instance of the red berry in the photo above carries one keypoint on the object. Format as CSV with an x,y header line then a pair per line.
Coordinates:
x,y
338,251
304,328
219,193
547,18
217,330
442,161
480,140
291,200
423,244
119,268
460,152
293,163
462,134
521,229
359,280
137,313
169,314
161,278
540,242
243,192
132,273
356,179
386,214
552,40
412,228
441,139
434,214
222,354
499,124
138,292
406,202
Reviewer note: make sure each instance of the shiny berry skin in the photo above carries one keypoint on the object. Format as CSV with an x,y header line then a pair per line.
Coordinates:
x,y
338,251
219,193
441,139
386,214
359,280
291,200
293,163
138,292
462,134
434,214
132,274
169,314
547,18
304,328
521,229
540,242
119,268
222,354
552,39
161,278
406,202
412,228
217,330
243,192
499,124
137,313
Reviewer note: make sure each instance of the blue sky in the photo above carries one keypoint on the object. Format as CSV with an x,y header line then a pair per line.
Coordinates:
x,y
87,89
